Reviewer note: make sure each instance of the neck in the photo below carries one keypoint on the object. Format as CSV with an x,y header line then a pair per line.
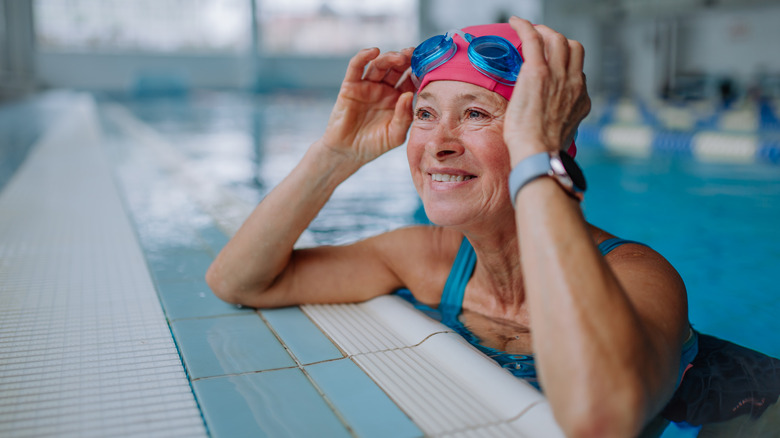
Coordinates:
x,y
497,280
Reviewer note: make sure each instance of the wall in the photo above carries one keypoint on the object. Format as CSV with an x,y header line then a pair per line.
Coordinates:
x,y
16,63
737,43
718,42
129,72
438,16
644,72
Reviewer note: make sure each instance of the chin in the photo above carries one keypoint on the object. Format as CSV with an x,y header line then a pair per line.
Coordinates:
x,y
445,217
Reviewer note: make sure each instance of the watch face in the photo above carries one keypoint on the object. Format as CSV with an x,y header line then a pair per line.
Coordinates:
x,y
574,171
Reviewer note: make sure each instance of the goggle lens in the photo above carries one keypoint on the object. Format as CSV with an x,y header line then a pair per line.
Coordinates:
x,y
492,56
430,54
495,57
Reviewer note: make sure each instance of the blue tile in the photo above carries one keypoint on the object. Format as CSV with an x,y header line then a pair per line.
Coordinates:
x,y
193,299
178,265
268,404
366,408
228,345
214,238
302,337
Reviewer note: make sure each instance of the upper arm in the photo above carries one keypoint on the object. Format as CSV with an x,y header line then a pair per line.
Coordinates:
x,y
657,293
352,273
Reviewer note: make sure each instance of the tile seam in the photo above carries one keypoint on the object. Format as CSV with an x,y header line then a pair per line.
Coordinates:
x,y
314,384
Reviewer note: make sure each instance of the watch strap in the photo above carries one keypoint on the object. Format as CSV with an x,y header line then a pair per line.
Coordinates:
x,y
527,170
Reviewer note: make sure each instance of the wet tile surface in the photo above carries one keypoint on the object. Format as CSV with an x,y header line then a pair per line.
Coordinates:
x,y
213,237
193,299
179,264
360,400
228,345
301,336
268,404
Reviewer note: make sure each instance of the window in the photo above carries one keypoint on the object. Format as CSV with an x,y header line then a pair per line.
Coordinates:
x,y
335,27
164,26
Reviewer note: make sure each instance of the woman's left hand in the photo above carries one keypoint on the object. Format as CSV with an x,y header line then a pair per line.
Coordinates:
x,y
550,98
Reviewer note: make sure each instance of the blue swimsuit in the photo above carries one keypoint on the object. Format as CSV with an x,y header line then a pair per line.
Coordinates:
x,y
451,304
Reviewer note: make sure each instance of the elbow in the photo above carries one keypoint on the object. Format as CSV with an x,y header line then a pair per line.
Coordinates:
x,y
617,415
220,287
597,427
227,289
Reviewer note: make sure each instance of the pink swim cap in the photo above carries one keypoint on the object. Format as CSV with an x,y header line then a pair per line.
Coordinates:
x,y
459,68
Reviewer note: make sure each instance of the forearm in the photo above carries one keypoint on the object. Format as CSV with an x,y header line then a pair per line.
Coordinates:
x,y
594,355
261,249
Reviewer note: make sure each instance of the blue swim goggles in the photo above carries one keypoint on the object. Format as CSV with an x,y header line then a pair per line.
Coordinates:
x,y
491,55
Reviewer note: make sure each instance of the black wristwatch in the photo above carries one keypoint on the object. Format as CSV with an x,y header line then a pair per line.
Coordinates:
x,y
560,166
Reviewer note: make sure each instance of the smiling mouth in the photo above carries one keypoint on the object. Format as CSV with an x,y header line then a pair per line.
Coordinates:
x,y
443,177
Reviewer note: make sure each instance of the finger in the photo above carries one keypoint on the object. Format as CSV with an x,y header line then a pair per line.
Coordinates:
x,y
382,66
556,49
369,71
532,43
358,63
402,119
576,57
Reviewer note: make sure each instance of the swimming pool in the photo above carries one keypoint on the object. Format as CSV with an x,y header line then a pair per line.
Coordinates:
x,y
716,223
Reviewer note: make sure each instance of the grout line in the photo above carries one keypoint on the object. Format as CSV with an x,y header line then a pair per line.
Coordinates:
x,y
319,390
243,373
223,315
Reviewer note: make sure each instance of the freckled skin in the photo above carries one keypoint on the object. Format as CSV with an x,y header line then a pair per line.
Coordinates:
x,y
459,127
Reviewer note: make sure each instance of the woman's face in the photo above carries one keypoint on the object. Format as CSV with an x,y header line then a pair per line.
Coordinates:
x,y
456,152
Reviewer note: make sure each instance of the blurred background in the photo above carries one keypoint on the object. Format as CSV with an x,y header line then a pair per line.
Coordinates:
x,y
675,49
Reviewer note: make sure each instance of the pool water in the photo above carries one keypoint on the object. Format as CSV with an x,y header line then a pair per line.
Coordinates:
x,y
716,223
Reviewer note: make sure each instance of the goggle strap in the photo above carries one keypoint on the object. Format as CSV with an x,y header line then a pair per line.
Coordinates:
x,y
407,74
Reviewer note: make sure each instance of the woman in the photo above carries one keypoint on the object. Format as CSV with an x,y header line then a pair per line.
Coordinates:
x,y
606,332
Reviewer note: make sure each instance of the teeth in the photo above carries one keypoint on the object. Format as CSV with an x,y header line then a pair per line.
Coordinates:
x,y
443,177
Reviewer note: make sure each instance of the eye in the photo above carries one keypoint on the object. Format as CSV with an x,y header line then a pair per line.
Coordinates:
x,y
423,114
475,114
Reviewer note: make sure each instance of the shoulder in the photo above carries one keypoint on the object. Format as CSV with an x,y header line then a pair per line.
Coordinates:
x,y
421,257
648,278
628,253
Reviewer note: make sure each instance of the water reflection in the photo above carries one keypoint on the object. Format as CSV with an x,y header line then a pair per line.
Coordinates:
x,y
249,143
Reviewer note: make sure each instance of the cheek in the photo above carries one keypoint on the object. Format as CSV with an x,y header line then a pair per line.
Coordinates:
x,y
489,148
414,152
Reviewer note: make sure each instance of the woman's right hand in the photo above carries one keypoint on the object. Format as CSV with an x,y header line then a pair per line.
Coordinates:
x,y
372,112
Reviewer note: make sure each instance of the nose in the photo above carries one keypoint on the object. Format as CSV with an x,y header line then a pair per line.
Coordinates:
x,y
444,142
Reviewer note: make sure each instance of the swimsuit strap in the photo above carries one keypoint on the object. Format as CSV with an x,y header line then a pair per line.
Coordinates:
x,y
463,267
455,288
608,245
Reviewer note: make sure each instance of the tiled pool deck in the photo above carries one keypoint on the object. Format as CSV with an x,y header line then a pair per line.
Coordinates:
x,y
107,327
